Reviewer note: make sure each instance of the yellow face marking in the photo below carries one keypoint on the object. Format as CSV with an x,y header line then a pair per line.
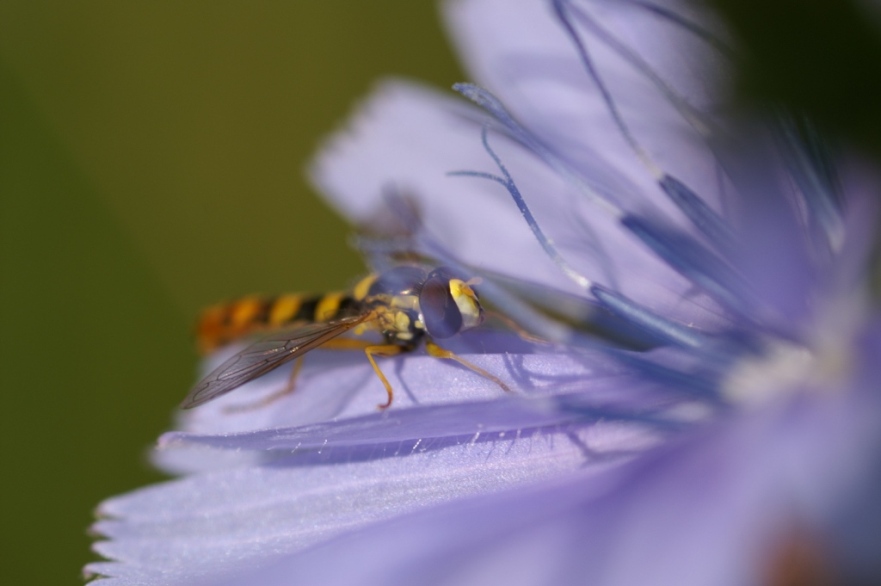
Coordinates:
x,y
363,287
466,301
244,311
459,287
284,308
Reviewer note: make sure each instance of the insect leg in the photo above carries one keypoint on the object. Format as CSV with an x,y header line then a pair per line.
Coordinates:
x,y
514,326
383,350
287,389
438,352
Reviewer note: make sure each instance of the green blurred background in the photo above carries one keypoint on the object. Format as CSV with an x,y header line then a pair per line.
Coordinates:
x,y
151,159
152,163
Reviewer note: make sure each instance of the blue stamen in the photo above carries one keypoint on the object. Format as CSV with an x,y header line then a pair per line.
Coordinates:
x,y
679,20
595,194
687,260
657,327
702,216
578,403
812,170
694,262
693,384
560,11
693,116
694,208
539,234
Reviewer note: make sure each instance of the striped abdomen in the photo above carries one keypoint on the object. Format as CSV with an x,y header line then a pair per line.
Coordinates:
x,y
227,322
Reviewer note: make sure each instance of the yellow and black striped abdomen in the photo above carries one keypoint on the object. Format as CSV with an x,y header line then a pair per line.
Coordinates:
x,y
227,322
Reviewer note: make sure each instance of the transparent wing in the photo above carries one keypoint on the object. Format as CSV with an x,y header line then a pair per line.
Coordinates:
x,y
267,354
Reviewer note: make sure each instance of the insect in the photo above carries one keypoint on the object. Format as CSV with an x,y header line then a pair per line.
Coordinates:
x,y
407,305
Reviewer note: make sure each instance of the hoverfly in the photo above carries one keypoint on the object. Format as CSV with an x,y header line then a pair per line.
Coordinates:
x,y
407,305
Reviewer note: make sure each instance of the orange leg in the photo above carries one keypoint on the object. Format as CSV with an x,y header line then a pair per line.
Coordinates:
x,y
287,389
383,350
433,349
370,349
438,352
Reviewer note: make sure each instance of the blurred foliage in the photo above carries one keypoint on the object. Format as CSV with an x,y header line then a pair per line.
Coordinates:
x,y
822,57
151,163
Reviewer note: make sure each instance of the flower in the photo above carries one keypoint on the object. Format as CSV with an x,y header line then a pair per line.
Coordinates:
x,y
722,429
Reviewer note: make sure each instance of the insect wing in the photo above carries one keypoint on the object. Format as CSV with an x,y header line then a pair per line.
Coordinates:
x,y
265,355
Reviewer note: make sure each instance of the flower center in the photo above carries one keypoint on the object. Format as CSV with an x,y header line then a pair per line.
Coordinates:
x,y
784,367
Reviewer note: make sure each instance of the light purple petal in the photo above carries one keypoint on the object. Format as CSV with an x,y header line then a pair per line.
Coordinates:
x,y
713,510
526,58
340,398
437,426
230,520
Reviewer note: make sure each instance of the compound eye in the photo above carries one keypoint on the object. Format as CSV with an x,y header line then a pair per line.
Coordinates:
x,y
440,312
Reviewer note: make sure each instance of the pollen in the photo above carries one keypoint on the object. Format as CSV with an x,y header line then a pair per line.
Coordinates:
x,y
785,367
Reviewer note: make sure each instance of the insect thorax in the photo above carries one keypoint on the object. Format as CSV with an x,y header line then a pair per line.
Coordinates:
x,y
410,302
393,296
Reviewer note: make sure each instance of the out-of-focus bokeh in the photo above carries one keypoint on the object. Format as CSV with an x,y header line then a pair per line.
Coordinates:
x,y
151,162
821,57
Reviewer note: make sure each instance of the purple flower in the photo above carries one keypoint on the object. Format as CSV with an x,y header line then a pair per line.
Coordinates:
x,y
723,428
